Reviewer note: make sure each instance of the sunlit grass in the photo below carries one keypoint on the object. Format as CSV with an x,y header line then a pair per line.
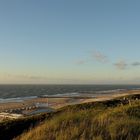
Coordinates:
x,y
121,122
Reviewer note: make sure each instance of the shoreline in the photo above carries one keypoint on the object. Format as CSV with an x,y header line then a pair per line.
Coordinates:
x,y
106,97
32,105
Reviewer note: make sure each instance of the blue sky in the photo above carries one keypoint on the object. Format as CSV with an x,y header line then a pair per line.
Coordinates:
x,y
70,41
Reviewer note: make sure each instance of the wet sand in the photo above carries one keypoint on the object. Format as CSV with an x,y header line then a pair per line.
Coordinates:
x,y
56,103
31,103
103,97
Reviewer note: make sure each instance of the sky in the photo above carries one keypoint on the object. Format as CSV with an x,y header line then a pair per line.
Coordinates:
x,y
69,42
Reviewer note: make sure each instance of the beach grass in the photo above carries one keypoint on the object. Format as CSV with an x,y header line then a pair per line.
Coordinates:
x,y
108,120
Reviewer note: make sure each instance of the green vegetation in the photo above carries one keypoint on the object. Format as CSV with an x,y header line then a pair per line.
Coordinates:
x,y
109,120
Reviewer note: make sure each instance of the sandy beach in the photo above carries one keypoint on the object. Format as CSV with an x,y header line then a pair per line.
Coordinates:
x,y
56,103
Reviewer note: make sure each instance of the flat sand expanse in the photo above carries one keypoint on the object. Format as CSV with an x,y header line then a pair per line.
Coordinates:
x,y
31,103
56,103
103,97
113,96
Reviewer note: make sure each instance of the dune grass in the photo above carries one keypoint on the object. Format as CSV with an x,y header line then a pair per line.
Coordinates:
x,y
110,120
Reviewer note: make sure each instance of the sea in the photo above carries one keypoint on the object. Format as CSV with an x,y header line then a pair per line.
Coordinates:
x,y
20,92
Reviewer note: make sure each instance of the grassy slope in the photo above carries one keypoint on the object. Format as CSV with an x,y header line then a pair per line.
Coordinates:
x,y
12,128
109,120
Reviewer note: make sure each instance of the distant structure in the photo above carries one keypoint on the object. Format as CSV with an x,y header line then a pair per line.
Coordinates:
x,y
10,116
38,105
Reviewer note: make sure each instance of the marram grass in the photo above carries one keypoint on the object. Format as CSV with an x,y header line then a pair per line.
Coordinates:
x,y
120,122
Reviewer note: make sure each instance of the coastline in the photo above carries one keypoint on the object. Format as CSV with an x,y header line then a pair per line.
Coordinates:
x,y
55,102
99,110
104,97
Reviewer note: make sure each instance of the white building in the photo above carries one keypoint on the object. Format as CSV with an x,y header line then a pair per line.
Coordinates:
x,y
41,104
10,116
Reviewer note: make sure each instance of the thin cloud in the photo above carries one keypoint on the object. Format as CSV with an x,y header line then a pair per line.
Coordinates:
x,y
136,64
96,56
81,62
24,76
121,65
99,57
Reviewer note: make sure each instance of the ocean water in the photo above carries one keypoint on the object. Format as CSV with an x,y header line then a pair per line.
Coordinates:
x,y
30,91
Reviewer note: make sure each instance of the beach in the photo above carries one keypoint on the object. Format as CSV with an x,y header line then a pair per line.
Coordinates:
x,y
51,103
